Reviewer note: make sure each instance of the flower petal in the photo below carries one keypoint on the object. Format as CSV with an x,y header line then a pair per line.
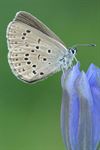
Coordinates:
x,y
85,141
66,72
90,71
94,82
70,108
93,74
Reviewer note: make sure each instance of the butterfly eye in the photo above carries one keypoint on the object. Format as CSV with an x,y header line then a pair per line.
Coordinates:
x,y
73,51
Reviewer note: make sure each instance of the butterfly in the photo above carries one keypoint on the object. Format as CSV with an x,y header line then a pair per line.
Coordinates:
x,y
35,52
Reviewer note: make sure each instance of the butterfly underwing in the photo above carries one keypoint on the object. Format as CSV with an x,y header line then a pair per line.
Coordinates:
x,y
35,52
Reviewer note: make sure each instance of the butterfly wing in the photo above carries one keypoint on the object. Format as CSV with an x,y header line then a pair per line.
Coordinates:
x,y
32,55
32,21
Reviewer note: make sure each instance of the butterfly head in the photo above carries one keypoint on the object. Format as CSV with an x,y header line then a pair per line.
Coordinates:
x,y
73,51
68,58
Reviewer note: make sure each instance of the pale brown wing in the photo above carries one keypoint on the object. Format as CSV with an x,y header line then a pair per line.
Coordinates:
x,y
32,21
32,54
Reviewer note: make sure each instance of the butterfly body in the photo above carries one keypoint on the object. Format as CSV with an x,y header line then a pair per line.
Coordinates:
x,y
35,52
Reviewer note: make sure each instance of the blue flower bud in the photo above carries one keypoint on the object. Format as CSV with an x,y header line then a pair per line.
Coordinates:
x,y
80,110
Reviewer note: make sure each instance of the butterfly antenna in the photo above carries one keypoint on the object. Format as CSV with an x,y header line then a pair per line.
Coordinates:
x,y
74,49
78,45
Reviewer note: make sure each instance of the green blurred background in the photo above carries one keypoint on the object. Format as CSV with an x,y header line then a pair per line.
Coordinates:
x,y
30,114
